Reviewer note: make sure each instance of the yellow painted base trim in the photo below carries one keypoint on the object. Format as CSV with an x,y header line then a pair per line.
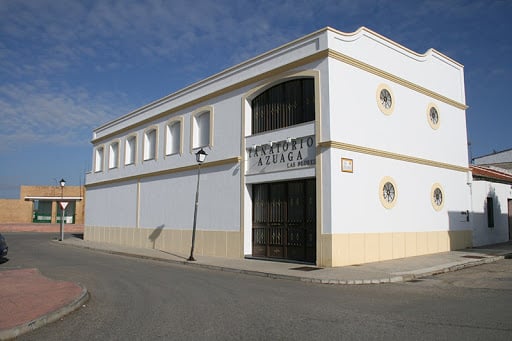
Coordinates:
x,y
208,243
359,248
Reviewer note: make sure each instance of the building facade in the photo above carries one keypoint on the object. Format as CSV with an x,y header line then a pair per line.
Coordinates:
x,y
501,160
40,204
334,149
491,205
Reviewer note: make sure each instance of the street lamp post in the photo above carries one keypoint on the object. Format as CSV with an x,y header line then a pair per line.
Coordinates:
x,y
200,157
62,184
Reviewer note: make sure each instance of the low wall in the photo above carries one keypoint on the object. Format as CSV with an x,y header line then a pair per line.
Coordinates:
x,y
207,243
359,248
15,211
34,227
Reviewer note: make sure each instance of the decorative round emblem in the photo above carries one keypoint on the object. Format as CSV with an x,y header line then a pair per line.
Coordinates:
x,y
433,116
437,197
388,192
385,100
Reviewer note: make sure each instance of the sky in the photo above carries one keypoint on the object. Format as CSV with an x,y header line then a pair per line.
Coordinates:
x,y
68,66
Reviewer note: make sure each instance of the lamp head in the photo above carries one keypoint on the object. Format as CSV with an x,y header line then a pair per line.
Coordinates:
x,y
201,156
62,182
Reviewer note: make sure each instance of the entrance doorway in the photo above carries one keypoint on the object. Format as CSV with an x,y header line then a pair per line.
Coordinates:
x,y
284,220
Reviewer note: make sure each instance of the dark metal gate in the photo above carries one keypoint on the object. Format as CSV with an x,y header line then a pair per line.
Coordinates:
x,y
284,220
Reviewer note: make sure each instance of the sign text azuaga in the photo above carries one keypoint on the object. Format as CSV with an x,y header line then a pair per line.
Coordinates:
x,y
277,156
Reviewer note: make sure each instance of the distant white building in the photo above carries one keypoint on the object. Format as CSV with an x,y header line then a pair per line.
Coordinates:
x,y
491,198
500,160
333,149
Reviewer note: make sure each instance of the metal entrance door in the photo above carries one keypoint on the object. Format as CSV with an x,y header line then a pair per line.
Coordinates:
x,y
284,220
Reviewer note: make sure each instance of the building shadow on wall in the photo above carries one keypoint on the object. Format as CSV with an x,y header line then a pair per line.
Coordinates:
x,y
459,221
485,222
155,234
154,237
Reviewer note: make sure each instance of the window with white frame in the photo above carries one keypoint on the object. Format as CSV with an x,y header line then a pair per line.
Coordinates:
x,y
150,144
113,155
201,129
98,159
173,138
130,148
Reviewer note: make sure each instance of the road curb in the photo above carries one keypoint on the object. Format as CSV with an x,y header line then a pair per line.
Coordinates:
x,y
402,277
50,317
461,266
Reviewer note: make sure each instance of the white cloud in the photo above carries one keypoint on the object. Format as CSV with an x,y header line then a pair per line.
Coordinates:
x,y
36,113
53,53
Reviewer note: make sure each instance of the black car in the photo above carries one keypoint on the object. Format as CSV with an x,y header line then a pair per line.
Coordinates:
x,y
3,246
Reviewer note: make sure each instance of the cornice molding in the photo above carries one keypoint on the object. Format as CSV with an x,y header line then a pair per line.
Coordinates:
x,y
390,155
378,72
233,87
362,30
328,53
165,172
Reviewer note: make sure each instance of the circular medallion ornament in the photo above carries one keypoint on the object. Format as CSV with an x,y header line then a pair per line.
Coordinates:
x,y
385,100
388,192
433,116
437,197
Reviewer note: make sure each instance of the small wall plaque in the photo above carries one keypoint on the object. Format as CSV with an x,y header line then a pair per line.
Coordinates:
x,y
347,165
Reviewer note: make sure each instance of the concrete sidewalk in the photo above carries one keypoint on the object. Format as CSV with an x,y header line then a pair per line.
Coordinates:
x,y
397,270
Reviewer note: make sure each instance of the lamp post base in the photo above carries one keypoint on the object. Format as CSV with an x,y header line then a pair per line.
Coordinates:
x,y
191,259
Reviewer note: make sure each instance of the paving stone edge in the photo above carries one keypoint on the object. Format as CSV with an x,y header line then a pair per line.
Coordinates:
x,y
50,317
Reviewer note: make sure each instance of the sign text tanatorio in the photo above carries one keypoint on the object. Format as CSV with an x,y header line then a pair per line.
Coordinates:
x,y
282,155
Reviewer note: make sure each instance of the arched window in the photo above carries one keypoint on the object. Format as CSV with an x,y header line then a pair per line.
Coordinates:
x,y
150,144
113,155
130,150
285,104
202,129
98,159
173,138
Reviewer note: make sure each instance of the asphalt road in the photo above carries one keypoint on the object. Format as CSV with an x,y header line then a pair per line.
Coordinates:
x,y
134,299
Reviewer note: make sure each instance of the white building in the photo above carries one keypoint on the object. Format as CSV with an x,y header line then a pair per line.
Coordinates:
x,y
491,205
334,149
499,160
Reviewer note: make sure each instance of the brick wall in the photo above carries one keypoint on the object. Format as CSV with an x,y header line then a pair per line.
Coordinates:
x,y
20,211
15,211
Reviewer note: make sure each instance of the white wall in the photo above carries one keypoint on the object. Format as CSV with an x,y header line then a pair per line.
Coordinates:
x,y
226,141
482,234
112,205
351,200
420,68
356,118
169,200
352,204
